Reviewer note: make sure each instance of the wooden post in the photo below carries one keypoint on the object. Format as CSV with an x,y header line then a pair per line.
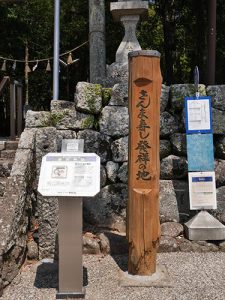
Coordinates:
x,y
143,228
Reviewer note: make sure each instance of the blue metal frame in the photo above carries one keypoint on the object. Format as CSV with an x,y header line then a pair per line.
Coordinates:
x,y
186,114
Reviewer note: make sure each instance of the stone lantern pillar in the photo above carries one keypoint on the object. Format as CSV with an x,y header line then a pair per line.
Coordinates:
x,y
128,13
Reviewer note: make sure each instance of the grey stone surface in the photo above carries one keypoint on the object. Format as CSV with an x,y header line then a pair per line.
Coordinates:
x,y
220,172
27,139
103,176
168,124
111,169
218,121
114,121
123,173
116,73
217,93
179,145
75,120
172,229
96,142
160,278
45,143
97,41
5,167
61,105
165,148
174,201
193,276
38,119
48,222
91,244
108,208
119,94
173,167
23,164
120,149
220,147
219,213
32,250
88,97
168,244
180,91
164,97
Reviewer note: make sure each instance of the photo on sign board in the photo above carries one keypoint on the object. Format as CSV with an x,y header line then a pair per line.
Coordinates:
x,y
198,115
59,172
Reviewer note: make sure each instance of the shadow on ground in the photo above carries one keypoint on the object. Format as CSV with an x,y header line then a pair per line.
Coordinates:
x,y
47,276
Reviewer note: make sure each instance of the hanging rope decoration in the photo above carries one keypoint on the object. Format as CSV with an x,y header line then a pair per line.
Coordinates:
x,y
37,61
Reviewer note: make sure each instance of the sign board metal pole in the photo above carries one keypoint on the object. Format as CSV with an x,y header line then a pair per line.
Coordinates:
x,y
70,239
143,230
70,248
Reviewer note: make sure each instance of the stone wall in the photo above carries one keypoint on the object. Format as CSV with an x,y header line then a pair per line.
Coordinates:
x,y
16,208
100,117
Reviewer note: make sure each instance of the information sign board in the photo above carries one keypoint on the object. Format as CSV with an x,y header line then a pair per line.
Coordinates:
x,y
198,114
72,145
72,175
202,190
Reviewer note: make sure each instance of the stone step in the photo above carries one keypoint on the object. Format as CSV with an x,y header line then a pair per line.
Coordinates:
x,y
5,167
2,185
11,145
6,154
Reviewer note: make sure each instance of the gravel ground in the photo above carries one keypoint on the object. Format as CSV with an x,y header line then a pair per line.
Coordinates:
x,y
194,276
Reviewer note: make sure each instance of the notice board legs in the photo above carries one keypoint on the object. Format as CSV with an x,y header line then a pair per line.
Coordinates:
x,y
70,248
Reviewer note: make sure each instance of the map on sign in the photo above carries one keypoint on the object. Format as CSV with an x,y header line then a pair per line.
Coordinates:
x,y
66,174
202,190
198,113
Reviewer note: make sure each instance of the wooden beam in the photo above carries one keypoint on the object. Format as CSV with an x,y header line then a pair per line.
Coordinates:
x,y
143,227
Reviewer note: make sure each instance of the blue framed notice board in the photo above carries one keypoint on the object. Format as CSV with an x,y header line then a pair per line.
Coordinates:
x,y
198,114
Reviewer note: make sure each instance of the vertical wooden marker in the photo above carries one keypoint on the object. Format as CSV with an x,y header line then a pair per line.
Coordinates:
x,y
143,227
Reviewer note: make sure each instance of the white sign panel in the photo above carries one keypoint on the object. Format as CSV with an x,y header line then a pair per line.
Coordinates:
x,y
198,115
72,175
202,190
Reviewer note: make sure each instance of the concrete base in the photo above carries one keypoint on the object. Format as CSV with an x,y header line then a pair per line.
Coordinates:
x,y
160,278
204,227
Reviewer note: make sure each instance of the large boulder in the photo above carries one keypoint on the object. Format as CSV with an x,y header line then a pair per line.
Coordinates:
x,y
111,169
174,201
179,145
173,167
218,121
120,149
165,148
95,142
38,119
168,124
220,147
74,120
164,97
119,95
180,91
114,121
88,97
220,172
217,93
108,208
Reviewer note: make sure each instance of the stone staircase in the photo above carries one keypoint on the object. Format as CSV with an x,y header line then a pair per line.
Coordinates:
x,y
7,154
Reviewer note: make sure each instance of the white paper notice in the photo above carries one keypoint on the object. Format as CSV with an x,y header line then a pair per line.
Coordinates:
x,y
65,174
202,190
198,114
